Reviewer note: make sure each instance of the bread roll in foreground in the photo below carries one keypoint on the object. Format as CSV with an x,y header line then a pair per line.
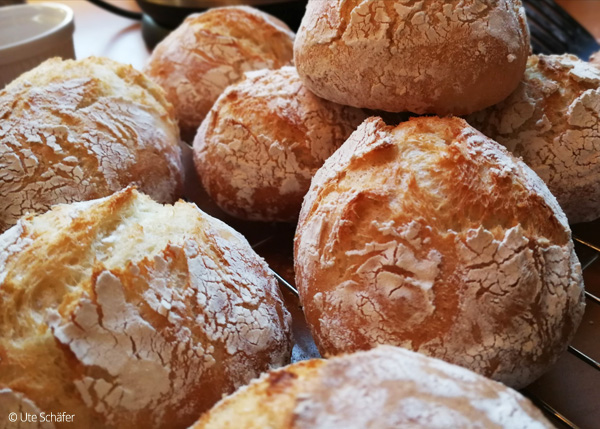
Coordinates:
x,y
263,141
438,56
130,314
78,130
432,237
212,50
387,387
552,121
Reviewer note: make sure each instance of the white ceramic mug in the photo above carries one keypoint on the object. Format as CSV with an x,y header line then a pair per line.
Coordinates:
x,y
32,33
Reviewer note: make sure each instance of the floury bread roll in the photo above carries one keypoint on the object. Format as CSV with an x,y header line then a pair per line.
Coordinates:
x,y
432,56
129,314
432,237
212,50
387,387
78,130
552,121
263,141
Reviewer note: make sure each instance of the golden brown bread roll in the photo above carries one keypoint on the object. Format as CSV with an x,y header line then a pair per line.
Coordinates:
x,y
432,237
131,314
387,387
212,50
552,121
262,142
433,56
78,130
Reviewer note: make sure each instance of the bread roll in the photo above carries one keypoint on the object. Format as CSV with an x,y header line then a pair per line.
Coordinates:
x,y
435,56
262,142
131,314
552,121
387,387
211,50
78,130
432,237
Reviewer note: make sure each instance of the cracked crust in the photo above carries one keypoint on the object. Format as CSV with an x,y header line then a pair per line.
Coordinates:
x,y
433,237
427,56
387,387
131,314
552,121
210,51
78,130
262,142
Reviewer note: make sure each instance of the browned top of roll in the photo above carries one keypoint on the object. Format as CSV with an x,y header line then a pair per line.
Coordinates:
x,y
387,387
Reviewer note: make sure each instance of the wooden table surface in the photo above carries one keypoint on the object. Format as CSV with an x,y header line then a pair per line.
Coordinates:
x,y
571,386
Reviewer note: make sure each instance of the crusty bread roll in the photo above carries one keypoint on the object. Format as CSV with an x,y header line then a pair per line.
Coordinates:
x,y
78,130
262,142
436,56
131,314
433,237
552,121
387,387
211,50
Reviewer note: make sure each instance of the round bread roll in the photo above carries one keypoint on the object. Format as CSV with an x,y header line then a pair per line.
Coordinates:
x,y
387,387
210,51
262,142
79,130
437,56
129,314
432,237
552,121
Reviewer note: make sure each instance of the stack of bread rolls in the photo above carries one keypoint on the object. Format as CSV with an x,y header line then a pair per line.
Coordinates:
x,y
428,235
